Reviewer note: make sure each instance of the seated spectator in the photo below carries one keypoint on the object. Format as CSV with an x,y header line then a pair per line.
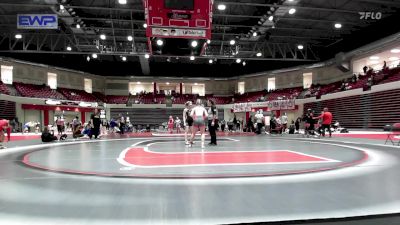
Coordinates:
x,y
354,78
78,132
365,68
87,130
47,136
343,87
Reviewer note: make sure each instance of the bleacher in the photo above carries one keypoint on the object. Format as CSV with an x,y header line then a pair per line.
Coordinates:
x,y
249,96
78,95
142,117
100,96
7,110
37,91
43,91
221,100
286,93
368,111
116,99
4,89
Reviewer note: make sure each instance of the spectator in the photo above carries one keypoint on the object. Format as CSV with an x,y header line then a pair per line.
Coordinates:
x,y
121,124
365,68
234,122
4,127
87,130
212,122
60,125
297,124
259,119
47,136
284,121
78,132
326,117
75,124
178,125
354,78
223,125
95,121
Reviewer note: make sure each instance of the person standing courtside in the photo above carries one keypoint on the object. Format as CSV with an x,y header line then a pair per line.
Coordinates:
x,y
187,121
212,122
326,117
284,121
259,119
199,115
121,123
95,122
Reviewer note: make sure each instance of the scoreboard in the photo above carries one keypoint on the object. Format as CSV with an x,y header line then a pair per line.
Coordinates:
x,y
187,19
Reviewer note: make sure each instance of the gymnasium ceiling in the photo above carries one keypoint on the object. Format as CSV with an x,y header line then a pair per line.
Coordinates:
x,y
312,25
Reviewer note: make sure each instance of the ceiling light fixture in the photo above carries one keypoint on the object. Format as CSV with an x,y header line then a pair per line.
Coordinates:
x,y
102,36
338,25
146,56
145,25
192,57
300,47
123,58
232,42
395,50
259,54
374,57
221,7
69,48
160,42
292,11
18,36
238,60
122,2
194,44
94,56
130,38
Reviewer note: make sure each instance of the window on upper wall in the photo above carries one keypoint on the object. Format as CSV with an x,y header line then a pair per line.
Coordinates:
x,y
88,85
52,80
7,74
307,80
198,89
241,86
271,83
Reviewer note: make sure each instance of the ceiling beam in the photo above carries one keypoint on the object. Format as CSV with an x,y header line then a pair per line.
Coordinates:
x,y
381,2
221,57
289,6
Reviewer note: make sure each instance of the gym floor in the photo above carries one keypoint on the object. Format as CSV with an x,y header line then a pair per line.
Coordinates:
x,y
158,180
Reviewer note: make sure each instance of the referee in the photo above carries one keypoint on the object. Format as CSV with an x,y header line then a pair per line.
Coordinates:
x,y
212,122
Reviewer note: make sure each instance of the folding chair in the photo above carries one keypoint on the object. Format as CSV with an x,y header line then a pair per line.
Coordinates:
x,y
393,132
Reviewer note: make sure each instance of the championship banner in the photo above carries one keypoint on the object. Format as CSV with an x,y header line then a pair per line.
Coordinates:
x,y
271,105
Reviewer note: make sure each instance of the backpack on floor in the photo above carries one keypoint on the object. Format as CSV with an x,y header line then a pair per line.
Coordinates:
x,y
63,137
